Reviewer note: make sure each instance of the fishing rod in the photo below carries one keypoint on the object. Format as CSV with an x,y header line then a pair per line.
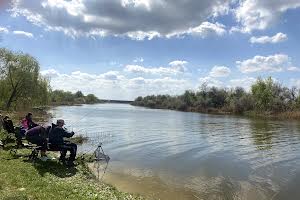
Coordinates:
x,y
84,116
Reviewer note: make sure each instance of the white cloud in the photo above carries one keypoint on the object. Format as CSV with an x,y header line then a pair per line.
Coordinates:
x,y
279,37
216,72
245,82
3,30
176,67
50,73
23,33
259,15
220,71
210,82
272,63
138,60
112,75
294,69
295,82
113,85
207,28
179,65
136,19
148,19
203,30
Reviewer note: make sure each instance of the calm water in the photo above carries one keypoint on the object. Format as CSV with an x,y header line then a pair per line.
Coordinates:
x,y
176,155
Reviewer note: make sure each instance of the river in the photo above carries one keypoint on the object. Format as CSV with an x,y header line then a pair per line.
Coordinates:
x,y
166,154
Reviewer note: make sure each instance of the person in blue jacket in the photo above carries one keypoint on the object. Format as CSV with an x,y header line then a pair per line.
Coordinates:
x,y
56,141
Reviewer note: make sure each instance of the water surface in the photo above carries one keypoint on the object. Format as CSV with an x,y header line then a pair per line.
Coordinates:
x,y
176,155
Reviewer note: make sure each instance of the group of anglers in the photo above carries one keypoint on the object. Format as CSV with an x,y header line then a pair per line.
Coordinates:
x,y
47,137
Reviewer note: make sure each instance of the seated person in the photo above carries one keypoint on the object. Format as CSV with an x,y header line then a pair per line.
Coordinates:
x,y
8,125
26,124
56,140
38,136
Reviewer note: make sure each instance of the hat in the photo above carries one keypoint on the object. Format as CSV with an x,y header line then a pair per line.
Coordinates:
x,y
60,121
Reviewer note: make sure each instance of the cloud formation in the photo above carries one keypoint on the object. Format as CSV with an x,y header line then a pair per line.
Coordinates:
x,y
220,71
175,67
259,15
210,82
137,19
294,69
113,85
23,33
245,82
279,37
138,60
148,19
272,63
3,30
295,82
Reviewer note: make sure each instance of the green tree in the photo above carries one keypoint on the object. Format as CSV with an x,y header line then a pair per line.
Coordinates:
x,y
20,75
263,95
91,98
78,94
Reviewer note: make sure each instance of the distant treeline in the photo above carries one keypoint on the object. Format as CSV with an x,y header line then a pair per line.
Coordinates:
x,y
22,86
60,97
265,96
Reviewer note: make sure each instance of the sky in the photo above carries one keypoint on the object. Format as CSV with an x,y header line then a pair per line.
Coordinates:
x,y
121,49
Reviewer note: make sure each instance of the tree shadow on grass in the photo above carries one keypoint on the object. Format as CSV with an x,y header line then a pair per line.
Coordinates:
x,y
16,153
55,168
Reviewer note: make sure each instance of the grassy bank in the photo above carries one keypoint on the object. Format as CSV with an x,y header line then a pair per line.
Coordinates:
x,y
21,179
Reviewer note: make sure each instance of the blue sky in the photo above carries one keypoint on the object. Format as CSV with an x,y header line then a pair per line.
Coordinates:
x,y
120,49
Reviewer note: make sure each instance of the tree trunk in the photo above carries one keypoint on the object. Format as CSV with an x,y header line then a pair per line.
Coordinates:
x,y
10,100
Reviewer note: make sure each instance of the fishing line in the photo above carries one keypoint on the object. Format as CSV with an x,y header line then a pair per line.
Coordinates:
x,y
84,116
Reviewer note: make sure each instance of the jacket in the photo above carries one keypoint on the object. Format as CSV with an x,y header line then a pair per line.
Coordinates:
x,y
28,124
57,134
37,131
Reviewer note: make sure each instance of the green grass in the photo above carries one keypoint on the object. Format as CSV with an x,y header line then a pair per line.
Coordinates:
x,y
22,179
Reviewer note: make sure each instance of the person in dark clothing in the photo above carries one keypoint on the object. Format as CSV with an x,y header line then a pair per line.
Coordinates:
x,y
56,140
8,125
38,136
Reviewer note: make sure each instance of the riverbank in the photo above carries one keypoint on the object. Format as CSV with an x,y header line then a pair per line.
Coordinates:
x,y
288,115
21,179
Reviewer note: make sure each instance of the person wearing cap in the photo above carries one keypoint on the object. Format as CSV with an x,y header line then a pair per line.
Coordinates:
x,y
56,141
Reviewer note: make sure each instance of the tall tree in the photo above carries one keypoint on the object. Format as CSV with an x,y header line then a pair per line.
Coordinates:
x,y
21,74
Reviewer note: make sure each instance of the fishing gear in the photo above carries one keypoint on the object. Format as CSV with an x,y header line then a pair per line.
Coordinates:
x,y
99,157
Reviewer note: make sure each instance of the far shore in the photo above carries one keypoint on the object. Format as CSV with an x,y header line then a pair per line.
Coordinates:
x,y
289,115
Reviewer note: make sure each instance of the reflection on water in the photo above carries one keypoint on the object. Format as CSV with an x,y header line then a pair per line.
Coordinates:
x,y
176,155
262,132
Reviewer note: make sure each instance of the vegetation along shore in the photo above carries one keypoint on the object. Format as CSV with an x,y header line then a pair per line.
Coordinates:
x,y
23,87
266,98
